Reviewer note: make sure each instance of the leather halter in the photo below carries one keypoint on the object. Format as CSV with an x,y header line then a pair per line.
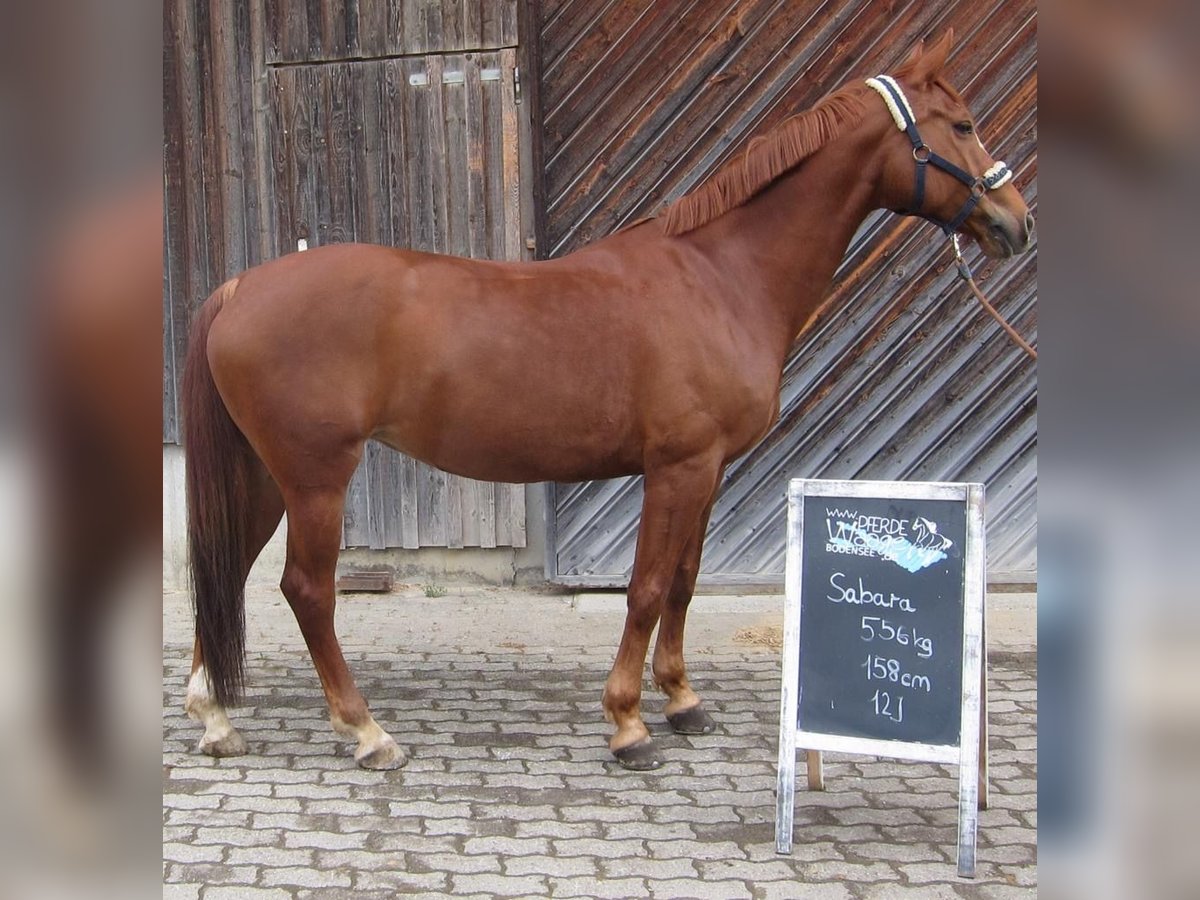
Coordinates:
x,y
999,174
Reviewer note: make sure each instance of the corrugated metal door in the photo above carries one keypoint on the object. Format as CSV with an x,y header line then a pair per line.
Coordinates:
x,y
902,376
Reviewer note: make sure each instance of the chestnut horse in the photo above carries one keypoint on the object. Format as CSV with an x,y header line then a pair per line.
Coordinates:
x,y
657,350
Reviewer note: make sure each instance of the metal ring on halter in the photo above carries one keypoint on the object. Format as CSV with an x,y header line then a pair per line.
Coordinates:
x,y
979,188
922,153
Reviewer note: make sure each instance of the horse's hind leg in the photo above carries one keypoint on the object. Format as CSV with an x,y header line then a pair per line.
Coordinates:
x,y
314,537
264,511
684,711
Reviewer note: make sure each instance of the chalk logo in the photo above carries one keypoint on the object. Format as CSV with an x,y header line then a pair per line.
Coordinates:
x,y
911,544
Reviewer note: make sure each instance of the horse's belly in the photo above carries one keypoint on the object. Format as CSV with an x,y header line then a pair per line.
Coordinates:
x,y
516,452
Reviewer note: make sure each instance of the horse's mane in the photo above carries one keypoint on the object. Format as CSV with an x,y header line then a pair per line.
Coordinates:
x,y
765,159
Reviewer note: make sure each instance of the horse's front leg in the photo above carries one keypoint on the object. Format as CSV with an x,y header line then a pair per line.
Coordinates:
x,y
674,506
683,709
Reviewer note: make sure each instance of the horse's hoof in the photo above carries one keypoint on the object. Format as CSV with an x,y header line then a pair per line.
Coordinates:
x,y
692,721
641,756
228,744
387,755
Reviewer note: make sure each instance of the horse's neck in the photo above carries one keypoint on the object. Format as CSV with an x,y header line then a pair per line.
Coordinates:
x,y
783,246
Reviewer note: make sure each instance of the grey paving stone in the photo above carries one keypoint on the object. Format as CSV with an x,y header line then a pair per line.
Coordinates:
x,y
192,853
802,890
848,871
554,867
909,892
460,863
324,840
246,893
305,877
598,888
212,874
499,885
400,882
270,856
650,869
236,837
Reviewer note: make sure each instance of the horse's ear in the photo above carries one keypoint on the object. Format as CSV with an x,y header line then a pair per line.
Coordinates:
x,y
925,63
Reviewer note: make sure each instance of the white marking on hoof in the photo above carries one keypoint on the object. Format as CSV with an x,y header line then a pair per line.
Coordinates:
x,y
220,737
376,748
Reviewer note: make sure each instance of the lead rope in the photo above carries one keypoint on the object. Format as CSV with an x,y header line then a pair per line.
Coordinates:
x,y
965,272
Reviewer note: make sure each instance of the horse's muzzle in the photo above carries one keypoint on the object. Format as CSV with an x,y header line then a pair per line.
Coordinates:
x,y
1006,235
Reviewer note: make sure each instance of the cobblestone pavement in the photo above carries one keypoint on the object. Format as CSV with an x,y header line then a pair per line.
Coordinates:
x,y
510,790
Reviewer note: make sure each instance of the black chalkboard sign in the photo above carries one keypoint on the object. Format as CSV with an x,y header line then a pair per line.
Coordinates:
x,y
883,633
881,618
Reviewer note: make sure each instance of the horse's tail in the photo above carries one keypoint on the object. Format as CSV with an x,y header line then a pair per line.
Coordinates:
x,y
218,457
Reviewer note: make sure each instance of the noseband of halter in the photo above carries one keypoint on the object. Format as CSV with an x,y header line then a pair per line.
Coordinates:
x,y
898,105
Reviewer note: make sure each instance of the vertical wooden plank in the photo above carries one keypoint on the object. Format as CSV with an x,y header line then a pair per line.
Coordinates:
x,y
377,496
454,125
256,117
516,515
415,19
475,137
195,247
318,78
491,26
418,177
394,101
434,146
315,49
333,29
472,19
373,23
395,28
431,506
314,199
210,178
815,765
294,35
390,501
351,44
174,213
435,40
356,513
368,163
409,519
281,84
511,161
341,176
508,23
224,88
273,42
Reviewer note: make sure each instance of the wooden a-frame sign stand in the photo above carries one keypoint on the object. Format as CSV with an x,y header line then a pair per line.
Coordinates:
x,y
968,747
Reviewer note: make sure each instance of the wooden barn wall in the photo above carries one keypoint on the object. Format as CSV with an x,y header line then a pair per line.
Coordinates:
x,y
386,121
903,376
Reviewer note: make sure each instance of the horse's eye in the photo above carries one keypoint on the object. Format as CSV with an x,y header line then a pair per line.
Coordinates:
x,y
964,127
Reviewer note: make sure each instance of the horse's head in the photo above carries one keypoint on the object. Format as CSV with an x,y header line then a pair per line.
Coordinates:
x,y
935,164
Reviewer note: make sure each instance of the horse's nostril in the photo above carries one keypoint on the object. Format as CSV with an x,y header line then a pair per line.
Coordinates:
x,y
1029,223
